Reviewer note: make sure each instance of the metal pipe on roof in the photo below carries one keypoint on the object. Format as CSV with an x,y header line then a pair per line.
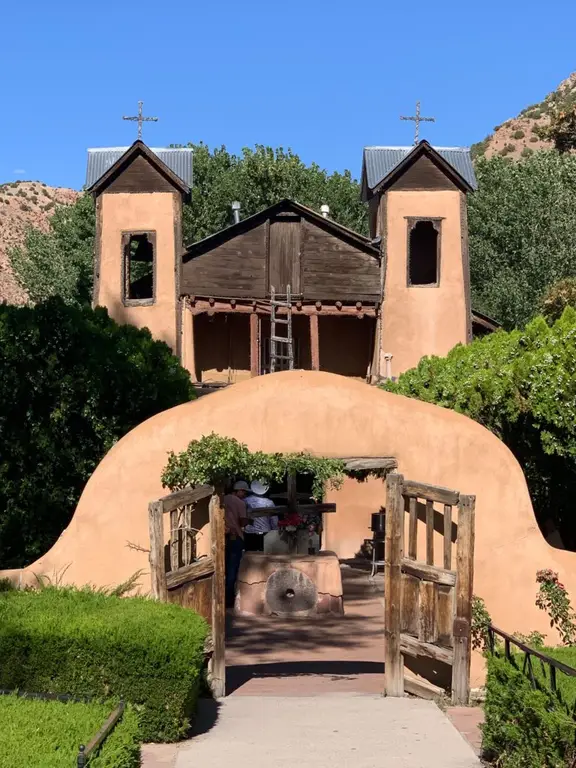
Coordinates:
x,y
236,211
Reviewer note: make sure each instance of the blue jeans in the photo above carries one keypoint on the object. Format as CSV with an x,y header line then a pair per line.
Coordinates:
x,y
234,551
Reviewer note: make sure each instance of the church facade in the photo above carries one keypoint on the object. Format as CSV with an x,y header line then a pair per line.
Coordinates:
x,y
366,307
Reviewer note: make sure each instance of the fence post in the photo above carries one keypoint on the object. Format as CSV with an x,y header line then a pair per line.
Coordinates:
x,y
81,759
394,663
464,591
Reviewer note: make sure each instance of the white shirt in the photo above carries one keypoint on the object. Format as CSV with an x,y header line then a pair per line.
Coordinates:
x,y
260,524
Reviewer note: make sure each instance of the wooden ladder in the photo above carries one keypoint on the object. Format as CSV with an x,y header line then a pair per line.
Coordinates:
x,y
281,347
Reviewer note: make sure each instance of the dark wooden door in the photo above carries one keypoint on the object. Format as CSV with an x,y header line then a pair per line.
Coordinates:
x,y
181,575
428,606
284,254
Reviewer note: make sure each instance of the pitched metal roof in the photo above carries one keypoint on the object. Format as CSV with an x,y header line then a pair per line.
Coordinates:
x,y
379,162
101,159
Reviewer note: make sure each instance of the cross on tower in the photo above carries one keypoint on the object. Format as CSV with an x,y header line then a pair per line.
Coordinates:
x,y
418,119
140,119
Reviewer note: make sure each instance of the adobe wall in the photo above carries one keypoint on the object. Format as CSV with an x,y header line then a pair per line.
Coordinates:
x,y
128,212
422,320
332,416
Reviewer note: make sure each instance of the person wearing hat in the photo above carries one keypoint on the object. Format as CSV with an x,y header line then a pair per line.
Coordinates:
x,y
259,526
236,518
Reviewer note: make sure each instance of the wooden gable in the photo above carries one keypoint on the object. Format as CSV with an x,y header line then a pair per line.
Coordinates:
x,y
424,174
139,170
287,244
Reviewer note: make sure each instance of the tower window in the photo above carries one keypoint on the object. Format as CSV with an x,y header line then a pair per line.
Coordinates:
x,y
139,256
424,251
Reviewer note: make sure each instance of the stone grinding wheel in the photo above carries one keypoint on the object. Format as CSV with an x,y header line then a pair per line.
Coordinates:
x,y
290,591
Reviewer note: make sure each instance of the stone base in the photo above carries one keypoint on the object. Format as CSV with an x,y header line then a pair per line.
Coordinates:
x,y
289,585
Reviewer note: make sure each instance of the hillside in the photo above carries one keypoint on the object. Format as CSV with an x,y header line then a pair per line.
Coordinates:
x,y
519,136
24,203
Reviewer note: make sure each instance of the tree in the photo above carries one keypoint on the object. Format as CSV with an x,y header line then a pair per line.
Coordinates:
x,y
562,128
557,297
72,382
522,386
59,262
522,233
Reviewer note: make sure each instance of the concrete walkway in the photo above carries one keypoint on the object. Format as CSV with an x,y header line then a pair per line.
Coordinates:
x,y
336,730
307,693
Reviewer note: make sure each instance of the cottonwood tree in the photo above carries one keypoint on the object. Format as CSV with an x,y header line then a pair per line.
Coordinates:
x,y
522,224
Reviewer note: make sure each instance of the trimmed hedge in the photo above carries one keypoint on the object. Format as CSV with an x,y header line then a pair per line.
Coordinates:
x,y
49,734
526,727
82,642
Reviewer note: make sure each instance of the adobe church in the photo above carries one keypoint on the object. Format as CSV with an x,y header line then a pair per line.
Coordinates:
x,y
288,287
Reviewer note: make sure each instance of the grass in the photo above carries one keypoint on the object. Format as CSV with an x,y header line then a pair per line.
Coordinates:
x,y
49,734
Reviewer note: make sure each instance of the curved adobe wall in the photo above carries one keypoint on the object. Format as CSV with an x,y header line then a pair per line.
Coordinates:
x,y
332,416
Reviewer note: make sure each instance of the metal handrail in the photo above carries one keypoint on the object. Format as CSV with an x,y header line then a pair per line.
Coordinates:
x,y
528,652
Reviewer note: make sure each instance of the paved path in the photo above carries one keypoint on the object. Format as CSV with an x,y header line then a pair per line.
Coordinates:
x,y
336,730
307,693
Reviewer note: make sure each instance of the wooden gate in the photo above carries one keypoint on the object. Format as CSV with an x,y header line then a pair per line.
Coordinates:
x,y
187,563
428,606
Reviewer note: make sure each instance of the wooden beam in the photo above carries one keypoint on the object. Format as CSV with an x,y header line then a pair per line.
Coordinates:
x,y
415,648
394,665
318,509
261,307
254,345
314,343
431,492
185,496
203,567
360,464
429,572
157,566
417,686
464,590
217,531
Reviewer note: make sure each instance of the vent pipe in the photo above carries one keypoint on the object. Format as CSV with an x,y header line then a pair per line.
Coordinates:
x,y
325,210
236,211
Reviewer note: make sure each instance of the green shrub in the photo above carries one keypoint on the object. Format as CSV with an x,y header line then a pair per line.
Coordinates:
x,y
521,385
519,134
76,382
82,643
526,727
526,152
49,733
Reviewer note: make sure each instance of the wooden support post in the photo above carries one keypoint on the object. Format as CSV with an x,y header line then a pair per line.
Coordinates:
x,y
394,663
217,531
314,343
187,348
464,591
157,564
291,492
254,345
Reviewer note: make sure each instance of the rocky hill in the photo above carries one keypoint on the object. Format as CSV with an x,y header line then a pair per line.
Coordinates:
x,y
520,136
24,203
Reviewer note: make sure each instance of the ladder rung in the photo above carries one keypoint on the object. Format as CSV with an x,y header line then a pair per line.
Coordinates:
x,y
280,357
281,338
274,303
282,322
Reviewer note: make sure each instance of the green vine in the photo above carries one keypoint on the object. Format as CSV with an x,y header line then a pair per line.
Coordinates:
x,y
217,460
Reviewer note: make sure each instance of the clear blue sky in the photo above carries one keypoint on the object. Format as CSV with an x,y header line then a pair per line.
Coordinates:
x,y
324,78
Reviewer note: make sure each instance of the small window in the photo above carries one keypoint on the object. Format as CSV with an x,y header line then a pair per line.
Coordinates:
x,y
139,265
423,252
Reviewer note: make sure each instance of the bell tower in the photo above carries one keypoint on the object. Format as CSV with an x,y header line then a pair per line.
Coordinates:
x,y
138,193
418,209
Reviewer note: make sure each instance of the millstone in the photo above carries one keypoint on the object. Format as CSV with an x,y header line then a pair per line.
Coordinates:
x,y
290,591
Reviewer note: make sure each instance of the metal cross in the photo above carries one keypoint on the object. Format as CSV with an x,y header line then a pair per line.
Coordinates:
x,y
418,119
140,119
